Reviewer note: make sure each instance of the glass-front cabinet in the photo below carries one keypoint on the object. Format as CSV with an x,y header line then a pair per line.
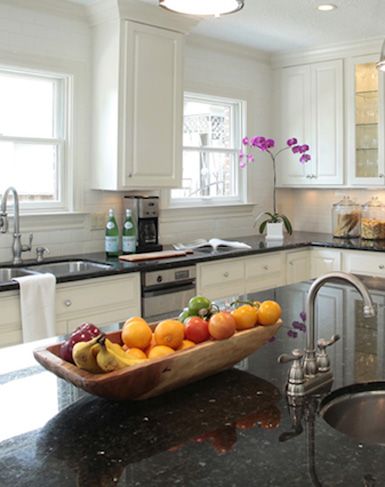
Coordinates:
x,y
366,130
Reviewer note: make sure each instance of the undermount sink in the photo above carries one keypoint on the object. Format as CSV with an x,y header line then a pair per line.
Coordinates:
x,y
8,273
358,411
69,267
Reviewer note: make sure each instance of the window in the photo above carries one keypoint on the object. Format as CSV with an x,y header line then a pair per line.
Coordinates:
x,y
212,131
32,137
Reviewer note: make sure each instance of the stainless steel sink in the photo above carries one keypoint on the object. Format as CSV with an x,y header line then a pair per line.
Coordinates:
x,y
69,267
8,273
358,411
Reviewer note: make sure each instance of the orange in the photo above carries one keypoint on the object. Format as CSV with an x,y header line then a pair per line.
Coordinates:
x,y
269,313
169,333
186,344
151,345
136,352
135,318
137,334
160,351
246,316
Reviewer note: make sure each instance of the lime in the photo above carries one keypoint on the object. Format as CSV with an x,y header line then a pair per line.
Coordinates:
x,y
184,315
199,305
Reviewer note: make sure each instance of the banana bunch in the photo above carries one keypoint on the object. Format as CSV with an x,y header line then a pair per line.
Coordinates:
x,y
112,357
84,355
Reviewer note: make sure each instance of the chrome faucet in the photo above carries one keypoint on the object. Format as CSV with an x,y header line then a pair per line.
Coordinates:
x,y
313,371
17,246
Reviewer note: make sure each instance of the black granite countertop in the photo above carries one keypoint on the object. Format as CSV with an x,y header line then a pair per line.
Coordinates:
x,y
258,245
231,429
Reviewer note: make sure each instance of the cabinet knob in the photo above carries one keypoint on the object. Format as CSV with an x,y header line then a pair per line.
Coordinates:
x,y
381,266
129,175
225,274
381,175
266,267
308,176
291,262
67,303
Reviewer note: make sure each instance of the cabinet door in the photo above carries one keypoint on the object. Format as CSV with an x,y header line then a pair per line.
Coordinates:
x,y
153,110
365,101
221,279
295,121
297,266
264,272
327,126
10,319
324,261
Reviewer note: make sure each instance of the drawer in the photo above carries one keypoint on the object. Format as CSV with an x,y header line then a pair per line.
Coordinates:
x,y
101,293
264,272
221,272
117,315
370,264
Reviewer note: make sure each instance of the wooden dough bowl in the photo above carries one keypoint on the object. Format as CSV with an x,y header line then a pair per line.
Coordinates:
x,y
163,374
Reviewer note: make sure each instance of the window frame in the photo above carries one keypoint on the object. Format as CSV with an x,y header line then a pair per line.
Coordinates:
x,y
239,122
63,85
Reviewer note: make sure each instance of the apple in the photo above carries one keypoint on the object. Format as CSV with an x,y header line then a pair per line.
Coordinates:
x,y
196,329
84,333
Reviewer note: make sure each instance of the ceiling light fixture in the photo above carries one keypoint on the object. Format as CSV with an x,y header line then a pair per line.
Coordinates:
x,y
326,7
202,7
381,63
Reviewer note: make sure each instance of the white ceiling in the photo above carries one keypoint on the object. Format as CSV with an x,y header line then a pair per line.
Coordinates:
x,y
282,25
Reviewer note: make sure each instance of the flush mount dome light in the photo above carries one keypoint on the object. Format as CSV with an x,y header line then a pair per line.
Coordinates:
x,y
202,7
381,63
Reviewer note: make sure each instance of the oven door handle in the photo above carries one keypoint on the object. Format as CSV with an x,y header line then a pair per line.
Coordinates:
x,y
168,290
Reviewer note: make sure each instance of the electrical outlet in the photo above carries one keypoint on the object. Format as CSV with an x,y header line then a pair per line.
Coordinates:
x,y
98,221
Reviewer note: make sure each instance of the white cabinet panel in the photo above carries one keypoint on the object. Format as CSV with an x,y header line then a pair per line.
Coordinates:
x,y
297,266
323,261
10,319
221,279
366,263
264,272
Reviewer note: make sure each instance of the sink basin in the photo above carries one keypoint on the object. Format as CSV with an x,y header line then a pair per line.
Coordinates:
x,y
70,267
8,273
358,411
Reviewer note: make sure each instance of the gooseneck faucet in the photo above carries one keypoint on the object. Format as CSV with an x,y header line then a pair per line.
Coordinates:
x,y
17,246
311,369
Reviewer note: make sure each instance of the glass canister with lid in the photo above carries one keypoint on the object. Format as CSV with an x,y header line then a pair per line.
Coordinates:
x,y
346,218
373,219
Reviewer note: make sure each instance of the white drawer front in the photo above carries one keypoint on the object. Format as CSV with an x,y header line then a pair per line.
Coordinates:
x,y
372,264
264,272
221,279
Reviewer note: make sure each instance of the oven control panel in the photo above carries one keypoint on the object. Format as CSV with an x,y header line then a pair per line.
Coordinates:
x,y
169,276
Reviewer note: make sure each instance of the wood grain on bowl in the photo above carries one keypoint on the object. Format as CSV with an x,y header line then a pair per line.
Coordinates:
x,y
156,376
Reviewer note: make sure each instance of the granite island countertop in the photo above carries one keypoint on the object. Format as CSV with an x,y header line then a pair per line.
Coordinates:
x,y
259,245
231,429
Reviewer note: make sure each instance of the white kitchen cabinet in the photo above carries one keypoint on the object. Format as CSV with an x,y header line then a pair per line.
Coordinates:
x,y
138,106
363,262
365,119
265,271
323,261
100,301
311,110
297,266
221,279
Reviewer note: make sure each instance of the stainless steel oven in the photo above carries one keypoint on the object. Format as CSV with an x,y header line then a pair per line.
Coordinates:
x,y
165,293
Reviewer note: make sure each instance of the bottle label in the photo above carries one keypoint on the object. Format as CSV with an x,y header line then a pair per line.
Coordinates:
x,y
128,225
128,244
111,244
110,225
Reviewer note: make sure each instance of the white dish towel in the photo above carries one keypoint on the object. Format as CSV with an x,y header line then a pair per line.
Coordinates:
x,y
37,306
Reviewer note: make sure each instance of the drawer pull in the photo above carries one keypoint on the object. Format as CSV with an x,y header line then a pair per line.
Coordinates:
x,y
291,262
381,266
225,274
67,303
266,267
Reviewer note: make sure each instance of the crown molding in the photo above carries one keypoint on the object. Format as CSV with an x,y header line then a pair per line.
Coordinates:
x,y
54,7
328,52
225,47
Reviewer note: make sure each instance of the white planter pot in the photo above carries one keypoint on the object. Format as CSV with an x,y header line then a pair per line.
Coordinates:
x,y
274,231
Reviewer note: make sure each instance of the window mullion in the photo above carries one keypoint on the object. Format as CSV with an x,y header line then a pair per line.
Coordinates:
x,y
31,140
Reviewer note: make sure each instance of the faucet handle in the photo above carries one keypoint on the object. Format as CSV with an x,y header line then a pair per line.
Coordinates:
x,y
27,248
323,362
40,253
3,222
296,381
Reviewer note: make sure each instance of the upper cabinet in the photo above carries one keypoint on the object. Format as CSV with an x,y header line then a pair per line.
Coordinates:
x,y
311,109
138,106
365,122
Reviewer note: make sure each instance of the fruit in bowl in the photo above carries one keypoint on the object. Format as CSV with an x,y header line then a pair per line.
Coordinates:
x,y
84,333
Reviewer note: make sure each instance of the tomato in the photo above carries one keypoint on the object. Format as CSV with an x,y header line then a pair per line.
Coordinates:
x,y
222,325
246,316
269,313
199,305
196,329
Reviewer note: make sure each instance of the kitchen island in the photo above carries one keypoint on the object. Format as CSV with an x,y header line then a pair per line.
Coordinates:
x,y
231,429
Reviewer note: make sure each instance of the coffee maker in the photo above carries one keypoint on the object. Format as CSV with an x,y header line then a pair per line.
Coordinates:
x,y
145,213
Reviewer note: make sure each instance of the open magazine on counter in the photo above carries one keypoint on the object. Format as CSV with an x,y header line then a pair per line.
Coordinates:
x,y
214,243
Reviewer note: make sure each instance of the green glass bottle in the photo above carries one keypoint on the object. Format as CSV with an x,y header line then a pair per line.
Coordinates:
x,y
111,241
129,234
